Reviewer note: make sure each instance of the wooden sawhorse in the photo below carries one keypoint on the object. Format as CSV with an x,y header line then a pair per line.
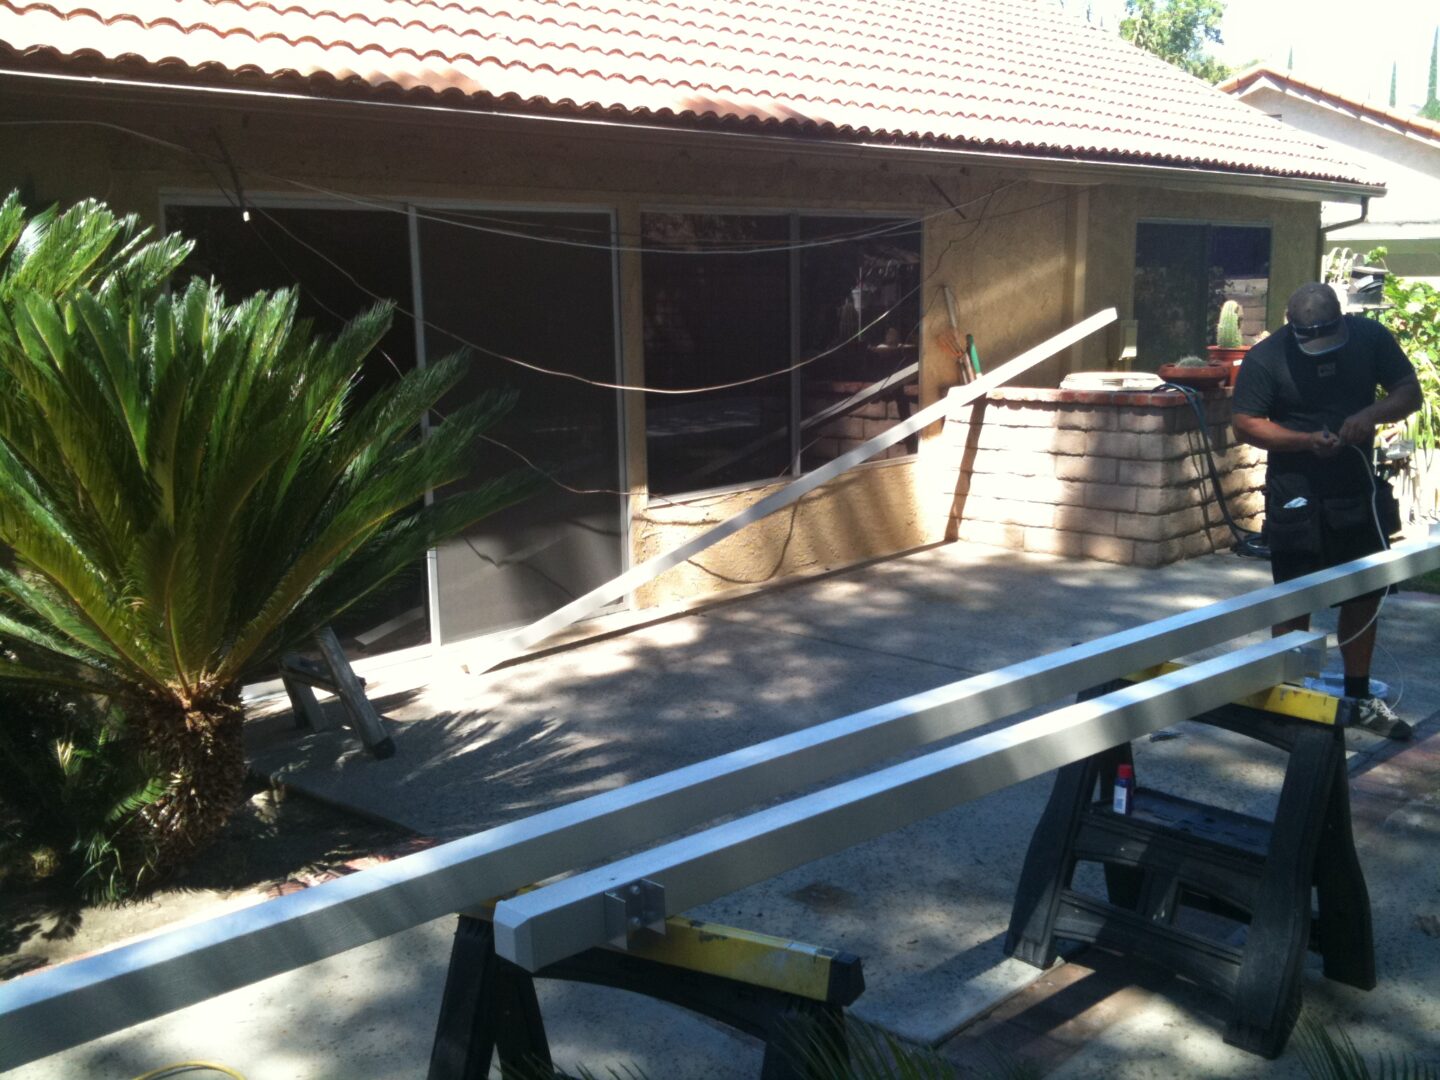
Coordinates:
x,y
302,677
1172,853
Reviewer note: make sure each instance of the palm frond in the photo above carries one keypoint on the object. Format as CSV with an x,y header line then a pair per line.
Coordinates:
x,y
1327,1056
192,478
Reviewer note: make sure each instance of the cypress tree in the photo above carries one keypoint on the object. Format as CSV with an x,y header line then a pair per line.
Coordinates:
x,y
1393,71
1431,109
1290,59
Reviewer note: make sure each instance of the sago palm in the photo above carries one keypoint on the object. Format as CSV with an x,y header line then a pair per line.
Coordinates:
x,y
190,487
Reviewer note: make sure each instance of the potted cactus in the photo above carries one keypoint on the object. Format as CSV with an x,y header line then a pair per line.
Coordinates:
x,y
1229,348
1195,373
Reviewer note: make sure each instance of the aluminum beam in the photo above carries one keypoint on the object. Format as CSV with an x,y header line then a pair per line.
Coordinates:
x,y
497,650
824,416
560,920
55,1009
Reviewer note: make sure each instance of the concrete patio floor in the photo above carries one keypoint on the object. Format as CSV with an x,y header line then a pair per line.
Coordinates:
x,y
926,907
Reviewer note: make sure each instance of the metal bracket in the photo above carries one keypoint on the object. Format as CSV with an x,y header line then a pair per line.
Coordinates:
x,y
631,908
1313,657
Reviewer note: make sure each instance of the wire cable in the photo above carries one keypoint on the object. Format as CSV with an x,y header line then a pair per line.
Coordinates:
x,y
601,383
448,217
380,205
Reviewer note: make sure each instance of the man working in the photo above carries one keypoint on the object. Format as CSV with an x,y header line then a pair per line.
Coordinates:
x,y
1307,396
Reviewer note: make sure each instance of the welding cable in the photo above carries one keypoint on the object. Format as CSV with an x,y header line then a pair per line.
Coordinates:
x,y
1247,542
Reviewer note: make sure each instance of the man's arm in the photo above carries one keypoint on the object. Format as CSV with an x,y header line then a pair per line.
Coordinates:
x,y
1268,435
1399,401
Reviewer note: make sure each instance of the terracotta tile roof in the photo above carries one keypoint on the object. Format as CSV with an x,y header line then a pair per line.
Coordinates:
x,y
1242,82
1017,76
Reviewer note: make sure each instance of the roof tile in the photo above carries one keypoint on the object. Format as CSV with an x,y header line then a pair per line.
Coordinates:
x,y
1017,75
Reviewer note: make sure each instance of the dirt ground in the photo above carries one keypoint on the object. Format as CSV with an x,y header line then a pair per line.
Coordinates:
x,y
277,842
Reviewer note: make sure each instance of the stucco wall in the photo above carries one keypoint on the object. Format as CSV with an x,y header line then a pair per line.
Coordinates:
x,y
1023,258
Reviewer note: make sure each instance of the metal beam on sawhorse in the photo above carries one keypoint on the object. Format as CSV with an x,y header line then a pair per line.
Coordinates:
x,y
780,991
1250,877
54,1010
333,673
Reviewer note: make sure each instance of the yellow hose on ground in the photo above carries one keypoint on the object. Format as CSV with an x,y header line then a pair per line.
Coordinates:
x,y
189,1066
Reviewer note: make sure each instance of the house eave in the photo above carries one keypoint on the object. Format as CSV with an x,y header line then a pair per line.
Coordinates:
x,y
1037,166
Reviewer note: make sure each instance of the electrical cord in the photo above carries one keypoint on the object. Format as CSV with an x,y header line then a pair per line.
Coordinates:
x,y
1384,540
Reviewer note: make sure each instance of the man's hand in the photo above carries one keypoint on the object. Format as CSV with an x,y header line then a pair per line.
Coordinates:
x,y
1325,444
1358,430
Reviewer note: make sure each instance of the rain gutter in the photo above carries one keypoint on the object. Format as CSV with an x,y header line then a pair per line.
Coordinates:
x,y
1040,167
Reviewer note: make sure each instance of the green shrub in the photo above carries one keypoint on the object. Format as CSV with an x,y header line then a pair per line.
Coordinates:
x,y
1414,318
71,785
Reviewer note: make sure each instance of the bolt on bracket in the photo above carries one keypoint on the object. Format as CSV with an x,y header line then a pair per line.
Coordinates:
x,y
631,908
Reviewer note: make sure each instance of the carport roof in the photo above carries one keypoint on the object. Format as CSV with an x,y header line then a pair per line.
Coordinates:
x,y
1018,77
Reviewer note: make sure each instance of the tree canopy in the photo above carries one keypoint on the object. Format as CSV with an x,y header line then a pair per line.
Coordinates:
x,y
1431,109
1177,31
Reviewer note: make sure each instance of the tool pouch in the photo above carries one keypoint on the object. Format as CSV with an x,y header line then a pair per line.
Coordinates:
x,y
1349,515
1292,530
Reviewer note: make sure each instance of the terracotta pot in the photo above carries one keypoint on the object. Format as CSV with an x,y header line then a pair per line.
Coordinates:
x,y
1230,359
1209,377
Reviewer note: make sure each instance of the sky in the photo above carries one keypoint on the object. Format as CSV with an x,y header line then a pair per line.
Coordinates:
x,y
1342,45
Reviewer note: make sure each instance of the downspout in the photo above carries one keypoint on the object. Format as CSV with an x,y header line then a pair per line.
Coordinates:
x,y
1325,230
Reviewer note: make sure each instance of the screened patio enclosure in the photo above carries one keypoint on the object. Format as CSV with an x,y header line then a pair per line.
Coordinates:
x,y
775,342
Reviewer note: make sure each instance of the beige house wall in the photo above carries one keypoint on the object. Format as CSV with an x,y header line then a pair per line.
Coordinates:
x,y
1023,258
1407,220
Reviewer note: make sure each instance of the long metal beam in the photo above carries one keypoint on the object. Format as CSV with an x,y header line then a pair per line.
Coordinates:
x,y
814,420
62,1007
560,920
497,650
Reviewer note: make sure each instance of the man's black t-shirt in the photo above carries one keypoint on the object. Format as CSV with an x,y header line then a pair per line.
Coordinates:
x,y
1315,393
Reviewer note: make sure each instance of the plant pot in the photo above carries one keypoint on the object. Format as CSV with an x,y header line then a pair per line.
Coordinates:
x,y
1230,359
1208,377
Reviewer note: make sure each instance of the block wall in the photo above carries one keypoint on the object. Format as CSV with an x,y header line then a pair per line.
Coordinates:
x,y
1119,477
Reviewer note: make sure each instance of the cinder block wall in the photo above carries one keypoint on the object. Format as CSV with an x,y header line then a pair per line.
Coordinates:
x,y
860,424
1119,477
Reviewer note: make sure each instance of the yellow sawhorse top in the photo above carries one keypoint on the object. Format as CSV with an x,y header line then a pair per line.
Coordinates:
x,y
1296,702
792,967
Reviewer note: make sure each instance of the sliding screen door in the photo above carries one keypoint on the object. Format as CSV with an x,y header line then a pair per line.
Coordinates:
x,y
536,287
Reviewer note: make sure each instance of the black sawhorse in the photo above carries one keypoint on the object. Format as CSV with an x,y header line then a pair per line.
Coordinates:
x,y
490,1006
1172,853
